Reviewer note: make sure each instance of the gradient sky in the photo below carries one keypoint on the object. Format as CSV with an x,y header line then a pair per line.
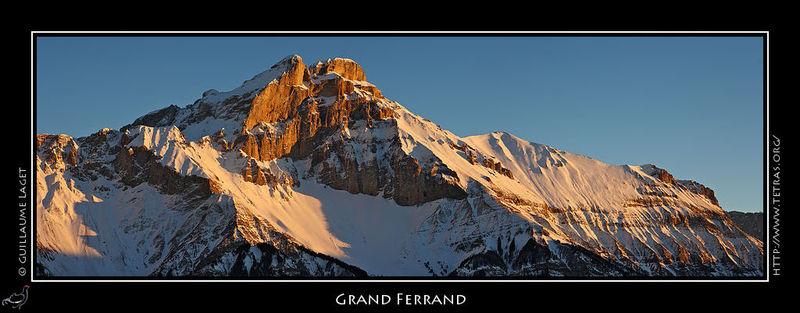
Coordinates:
x,y
691,105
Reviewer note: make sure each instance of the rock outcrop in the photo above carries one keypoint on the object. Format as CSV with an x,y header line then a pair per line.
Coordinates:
x,y
347,68
690,185
281,97
137,165
57,150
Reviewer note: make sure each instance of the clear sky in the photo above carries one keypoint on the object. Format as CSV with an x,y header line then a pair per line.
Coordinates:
x,y
691,105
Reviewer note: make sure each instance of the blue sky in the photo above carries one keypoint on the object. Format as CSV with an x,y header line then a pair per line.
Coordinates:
x,y
691,105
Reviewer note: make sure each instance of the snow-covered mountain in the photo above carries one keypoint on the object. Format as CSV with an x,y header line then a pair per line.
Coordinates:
x,y
307,170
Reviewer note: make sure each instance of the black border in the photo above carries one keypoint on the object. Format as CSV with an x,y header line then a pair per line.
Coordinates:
x,y
478,292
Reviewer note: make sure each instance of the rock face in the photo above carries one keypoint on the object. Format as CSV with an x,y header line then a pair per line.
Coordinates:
x,y
693,186
305,113
346,68
138,165
280,98
309,171
57,149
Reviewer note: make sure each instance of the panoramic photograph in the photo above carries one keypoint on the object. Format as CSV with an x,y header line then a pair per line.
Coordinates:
x,y
429,157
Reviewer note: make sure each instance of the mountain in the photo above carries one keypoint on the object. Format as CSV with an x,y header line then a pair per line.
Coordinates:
x,y
751,223
307,170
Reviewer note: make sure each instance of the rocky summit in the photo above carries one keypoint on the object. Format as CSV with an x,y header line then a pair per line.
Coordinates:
x,y
307,170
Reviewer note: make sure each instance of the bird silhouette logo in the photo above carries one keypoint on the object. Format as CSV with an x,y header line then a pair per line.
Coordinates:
x,y
16,300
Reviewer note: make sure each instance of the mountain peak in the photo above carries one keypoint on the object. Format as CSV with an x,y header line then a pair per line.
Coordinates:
x,y
291,58
346,68
287,64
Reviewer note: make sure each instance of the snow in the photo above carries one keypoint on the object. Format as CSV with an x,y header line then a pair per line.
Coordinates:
x,y
211,125
580,181
251,86
370,232
91,234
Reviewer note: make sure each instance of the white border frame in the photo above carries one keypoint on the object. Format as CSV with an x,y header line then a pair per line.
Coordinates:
x,y
378,280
